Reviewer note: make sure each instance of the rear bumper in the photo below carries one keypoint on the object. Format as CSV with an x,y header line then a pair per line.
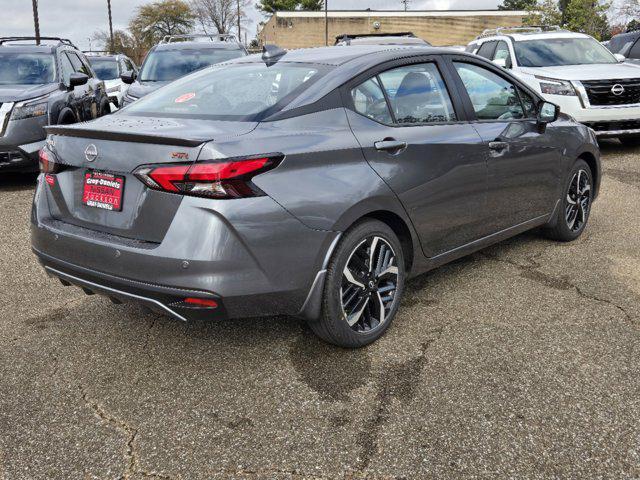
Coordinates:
x,y
159,298
252,257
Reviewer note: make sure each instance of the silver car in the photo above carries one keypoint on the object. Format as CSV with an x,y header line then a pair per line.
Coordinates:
x,y
309,183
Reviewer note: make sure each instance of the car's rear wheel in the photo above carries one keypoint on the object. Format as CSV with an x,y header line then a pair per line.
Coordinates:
x,y
575,206
363,286
630,140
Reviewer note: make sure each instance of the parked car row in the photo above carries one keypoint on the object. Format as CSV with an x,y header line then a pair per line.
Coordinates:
x,y
54,83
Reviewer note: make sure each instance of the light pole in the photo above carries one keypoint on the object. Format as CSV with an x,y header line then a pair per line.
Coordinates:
x,y
110,25
326,24
239,37
36,21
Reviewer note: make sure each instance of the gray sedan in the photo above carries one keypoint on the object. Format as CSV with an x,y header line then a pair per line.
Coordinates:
x,y
309,183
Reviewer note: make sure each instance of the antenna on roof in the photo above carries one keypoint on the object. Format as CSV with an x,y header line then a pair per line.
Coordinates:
x,y
271,54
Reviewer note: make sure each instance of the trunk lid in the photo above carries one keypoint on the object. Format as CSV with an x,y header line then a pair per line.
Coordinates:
x,y
124,143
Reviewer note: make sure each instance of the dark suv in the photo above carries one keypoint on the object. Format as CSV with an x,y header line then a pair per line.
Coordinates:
x,y
627,44
175,57
45,84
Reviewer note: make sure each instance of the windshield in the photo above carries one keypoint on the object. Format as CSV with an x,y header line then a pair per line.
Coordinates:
x,y
167,65
243,92
27,68
561,51
105,68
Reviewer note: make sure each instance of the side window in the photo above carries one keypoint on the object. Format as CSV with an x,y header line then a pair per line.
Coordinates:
x,y
486,50
368,100
634,52
493,97
67,67
78,66
502,53
418,94
129,66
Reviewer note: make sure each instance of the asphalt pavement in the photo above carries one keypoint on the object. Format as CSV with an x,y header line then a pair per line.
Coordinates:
x,y
520,361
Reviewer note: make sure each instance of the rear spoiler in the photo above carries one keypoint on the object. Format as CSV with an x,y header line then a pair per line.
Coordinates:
x,y
74,131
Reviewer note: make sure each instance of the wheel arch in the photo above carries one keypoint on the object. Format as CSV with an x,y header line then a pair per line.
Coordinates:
x,y
592,160
66,113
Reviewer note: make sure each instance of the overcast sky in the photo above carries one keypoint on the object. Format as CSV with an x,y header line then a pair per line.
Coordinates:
x,y
79,19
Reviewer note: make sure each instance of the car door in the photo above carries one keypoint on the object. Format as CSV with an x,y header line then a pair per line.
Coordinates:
x,y
85,95
524,164
412,132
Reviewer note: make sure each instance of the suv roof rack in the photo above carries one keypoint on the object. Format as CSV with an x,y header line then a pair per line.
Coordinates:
x,y
347,37
64,41
95,53
492,32
214,37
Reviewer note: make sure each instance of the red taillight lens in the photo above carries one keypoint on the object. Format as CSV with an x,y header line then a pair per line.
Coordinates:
x,y
47,161
208,179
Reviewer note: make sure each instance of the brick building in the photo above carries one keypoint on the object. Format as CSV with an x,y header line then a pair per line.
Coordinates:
x,y
443,27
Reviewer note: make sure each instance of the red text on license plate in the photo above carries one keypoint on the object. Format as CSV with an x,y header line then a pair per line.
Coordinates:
x,y
103,190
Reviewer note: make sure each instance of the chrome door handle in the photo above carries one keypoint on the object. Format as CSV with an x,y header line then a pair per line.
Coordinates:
x,y
390,146
498,146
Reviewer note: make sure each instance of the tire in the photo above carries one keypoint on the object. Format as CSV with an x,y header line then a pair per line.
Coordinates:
x,y
362,294
104,109
630,141
575,206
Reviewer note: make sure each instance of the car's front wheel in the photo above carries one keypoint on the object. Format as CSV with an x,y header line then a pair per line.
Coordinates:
x,y
575,206
364,283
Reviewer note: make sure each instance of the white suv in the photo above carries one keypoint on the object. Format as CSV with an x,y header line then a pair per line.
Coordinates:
x,y
574,71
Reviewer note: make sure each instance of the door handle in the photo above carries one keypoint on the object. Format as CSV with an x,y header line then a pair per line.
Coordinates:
x,y
391,146
498,146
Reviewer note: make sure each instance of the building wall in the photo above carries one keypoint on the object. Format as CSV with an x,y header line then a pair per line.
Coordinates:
x,y
288,30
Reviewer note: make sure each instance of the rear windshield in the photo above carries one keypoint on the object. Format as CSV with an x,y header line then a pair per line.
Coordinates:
x,y
561,51
241,91
27,68
105,68
167,65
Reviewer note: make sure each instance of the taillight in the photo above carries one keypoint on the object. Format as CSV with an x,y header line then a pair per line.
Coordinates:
x,y
231,179
48,162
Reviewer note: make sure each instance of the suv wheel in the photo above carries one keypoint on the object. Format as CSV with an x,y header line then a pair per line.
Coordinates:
x,y
631,140
573,215
363,287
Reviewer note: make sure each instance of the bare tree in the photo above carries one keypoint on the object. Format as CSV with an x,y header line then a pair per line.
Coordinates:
x,y
218,16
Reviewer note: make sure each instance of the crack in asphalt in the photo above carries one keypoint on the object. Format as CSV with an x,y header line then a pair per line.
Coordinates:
x,y
399,381
131,433
532,272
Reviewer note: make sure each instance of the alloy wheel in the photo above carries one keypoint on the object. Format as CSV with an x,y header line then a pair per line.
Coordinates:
x,y
369,284
578,201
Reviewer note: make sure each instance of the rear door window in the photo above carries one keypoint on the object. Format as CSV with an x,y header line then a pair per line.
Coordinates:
x,y
493,97
78,66
368,100
418,94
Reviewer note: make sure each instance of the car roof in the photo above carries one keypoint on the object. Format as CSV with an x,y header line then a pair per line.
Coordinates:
x,y
520,37
340,55
22,48
198,46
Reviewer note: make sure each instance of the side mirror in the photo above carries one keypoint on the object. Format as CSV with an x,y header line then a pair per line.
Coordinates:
x,y
547,113
501,62
76,79
619,57
128,77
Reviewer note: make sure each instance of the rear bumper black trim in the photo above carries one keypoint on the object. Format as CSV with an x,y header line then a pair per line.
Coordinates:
x,y
158,297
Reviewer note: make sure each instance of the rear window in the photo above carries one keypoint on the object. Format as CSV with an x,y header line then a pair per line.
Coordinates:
x,y
243,92
168,65
27,68
105,68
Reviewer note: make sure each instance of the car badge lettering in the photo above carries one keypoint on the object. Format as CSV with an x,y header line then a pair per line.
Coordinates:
x,y
91,152
617,89
180,155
